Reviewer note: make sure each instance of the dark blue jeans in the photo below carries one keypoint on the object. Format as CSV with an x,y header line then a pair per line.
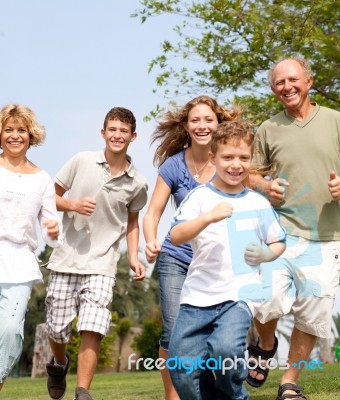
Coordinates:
x,y
214,335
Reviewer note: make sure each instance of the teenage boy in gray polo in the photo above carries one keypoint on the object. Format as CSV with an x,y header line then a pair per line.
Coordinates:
x,y
105,195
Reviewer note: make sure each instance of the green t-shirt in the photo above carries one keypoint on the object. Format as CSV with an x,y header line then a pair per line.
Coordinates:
x,y
304,153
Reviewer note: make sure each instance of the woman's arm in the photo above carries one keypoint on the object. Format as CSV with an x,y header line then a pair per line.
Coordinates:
x,y
158,202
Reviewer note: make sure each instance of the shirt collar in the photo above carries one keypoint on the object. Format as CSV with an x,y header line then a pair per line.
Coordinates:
x,y
100,159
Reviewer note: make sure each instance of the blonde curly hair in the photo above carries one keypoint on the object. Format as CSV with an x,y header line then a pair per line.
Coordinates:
x,y
36,131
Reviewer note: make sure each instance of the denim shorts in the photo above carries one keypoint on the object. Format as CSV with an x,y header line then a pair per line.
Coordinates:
x,y
171,276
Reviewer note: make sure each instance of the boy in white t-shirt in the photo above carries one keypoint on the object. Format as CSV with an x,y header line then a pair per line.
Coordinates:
x,y
232,230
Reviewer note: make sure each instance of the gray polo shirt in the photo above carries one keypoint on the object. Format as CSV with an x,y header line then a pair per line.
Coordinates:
x,y
92,244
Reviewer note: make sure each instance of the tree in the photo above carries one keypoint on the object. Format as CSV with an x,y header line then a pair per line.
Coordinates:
x,y
122,329
147,342
35,313
136,301
336,319
226,47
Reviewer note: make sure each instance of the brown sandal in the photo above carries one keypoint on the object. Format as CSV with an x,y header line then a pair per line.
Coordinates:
x,y
290,386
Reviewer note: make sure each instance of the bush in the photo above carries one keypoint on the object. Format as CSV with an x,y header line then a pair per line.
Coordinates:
x,y
147,343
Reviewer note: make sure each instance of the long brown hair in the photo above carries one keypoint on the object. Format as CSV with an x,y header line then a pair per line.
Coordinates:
x,y
171,133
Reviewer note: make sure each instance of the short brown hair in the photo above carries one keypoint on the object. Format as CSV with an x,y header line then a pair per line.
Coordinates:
x,y
236,130
121,114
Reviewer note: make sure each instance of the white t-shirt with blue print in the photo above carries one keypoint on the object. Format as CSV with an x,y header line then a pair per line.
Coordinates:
x,y
218,271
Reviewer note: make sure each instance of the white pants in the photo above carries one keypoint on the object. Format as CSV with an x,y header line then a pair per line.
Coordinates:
x,y
13,306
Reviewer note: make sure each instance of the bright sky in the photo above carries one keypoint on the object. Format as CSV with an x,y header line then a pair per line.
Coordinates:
x,y
73,60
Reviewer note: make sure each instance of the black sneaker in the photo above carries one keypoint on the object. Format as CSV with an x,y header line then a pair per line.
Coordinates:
x,y
56,379
82,394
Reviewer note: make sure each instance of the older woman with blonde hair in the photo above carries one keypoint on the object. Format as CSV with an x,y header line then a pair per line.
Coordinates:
x,y
27,196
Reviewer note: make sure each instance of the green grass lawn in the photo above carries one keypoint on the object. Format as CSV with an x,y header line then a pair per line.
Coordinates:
x,y
319,385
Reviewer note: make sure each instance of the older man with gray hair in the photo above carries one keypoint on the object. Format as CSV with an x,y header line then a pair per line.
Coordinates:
x,y
302,146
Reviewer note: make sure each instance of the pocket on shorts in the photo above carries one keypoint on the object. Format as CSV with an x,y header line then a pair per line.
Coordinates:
x,y
329,274
244,306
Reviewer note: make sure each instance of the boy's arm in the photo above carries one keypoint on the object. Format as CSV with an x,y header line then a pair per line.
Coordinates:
x,y
84,206
132,238
255,254
186,231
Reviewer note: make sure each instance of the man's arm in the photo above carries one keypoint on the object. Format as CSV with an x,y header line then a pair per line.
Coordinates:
x,y
186,231
274,190
132,238
334,186
84,206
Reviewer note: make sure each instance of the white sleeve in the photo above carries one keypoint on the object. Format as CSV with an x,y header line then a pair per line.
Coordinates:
x,y
49,211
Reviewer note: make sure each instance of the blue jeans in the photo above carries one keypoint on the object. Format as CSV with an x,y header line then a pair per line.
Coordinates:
x,y
14,298
171,276
211,333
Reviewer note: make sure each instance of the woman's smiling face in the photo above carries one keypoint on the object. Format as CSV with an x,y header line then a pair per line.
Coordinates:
x,y
15,137
202,122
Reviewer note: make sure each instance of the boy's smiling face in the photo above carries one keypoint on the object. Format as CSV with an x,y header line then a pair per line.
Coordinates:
x,y
118,136
232,161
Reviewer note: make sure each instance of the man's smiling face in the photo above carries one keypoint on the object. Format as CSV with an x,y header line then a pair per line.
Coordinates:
x,y
291,84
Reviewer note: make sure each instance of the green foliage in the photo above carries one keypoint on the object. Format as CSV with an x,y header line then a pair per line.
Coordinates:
x,y
123,327
45,255
147,343
336,319
35,313
135,300
73,347
225,48
105,353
